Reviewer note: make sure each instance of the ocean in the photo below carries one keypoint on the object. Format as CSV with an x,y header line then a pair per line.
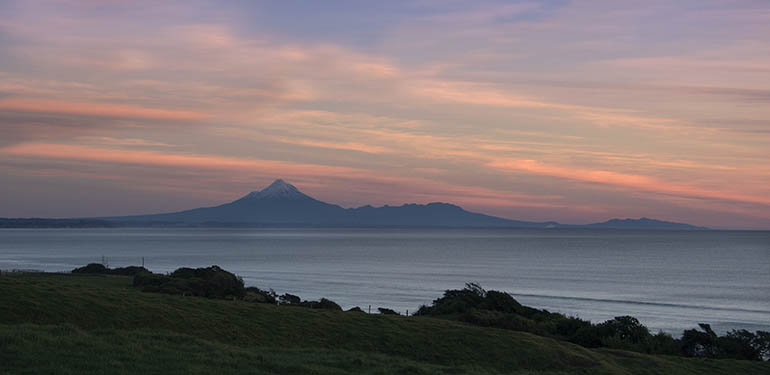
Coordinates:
x,y
669,280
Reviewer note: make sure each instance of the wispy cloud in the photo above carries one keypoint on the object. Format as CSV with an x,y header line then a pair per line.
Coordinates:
x,y
626,180
95,109
523,109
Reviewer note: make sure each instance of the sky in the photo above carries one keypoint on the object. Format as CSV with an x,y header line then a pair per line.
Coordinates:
x,y
574,111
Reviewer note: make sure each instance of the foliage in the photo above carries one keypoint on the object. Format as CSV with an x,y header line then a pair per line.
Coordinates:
x,y
100,269
211,282
76,324
484,308
387,311
696,343
476,306
128,271
289,299
92,268
292,300
254,294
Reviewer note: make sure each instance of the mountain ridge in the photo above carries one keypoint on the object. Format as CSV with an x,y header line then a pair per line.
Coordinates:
x,y
281,204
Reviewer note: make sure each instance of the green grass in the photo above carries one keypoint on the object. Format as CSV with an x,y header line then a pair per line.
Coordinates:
x,y
62,324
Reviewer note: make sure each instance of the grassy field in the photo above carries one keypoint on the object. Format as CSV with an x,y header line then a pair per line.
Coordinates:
x,y
69,324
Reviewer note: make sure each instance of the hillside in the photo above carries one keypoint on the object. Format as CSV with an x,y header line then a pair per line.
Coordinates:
x,y
66,324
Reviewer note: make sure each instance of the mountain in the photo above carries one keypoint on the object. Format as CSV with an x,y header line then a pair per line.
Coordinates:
x,y
278,204
282,204
643,223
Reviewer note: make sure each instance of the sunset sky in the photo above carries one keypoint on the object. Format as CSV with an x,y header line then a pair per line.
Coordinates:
x,y
574,111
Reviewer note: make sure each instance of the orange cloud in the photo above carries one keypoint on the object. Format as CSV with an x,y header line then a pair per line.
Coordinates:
x,y
350,146
636,182
427,189
489,95
150,157
95,109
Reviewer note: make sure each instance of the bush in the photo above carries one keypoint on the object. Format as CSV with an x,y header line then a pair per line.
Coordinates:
x,y
742,344
569,326
128,271
211,282
624,328
356,309
328,304
149,279
289,299
695,343
456,301
292,300
254,294
502,302
100,269
386,311
662,343
587,336
92,268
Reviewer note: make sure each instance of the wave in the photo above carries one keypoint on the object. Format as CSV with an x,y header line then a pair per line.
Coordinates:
x,y
644,303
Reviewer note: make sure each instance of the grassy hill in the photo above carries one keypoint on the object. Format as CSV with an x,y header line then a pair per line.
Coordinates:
x,y
72,324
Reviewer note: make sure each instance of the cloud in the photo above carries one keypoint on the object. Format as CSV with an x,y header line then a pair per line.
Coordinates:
x,y
626,180
158,158
349,146
112,141
402,187
29,105
438,96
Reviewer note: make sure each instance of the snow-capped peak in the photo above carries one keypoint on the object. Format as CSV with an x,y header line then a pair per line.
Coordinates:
x,y
278,189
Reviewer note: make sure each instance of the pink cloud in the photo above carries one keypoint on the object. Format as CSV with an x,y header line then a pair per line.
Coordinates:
x,y
95,109
625,180
391,188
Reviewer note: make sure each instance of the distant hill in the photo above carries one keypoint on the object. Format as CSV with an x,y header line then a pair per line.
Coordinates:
x,y
643,223
283,205
54,223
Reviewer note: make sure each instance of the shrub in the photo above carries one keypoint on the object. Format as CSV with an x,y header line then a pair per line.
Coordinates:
x,y
128,271
742,344
149,279
254,294
456,301
324,303
328,304
100,269
500,301
386,311
624,328
569,326
92,268
289,299
695,343
587,336
356,309
662,343
211,282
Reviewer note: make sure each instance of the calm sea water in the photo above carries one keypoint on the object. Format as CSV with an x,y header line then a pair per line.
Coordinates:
x,y
669,280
